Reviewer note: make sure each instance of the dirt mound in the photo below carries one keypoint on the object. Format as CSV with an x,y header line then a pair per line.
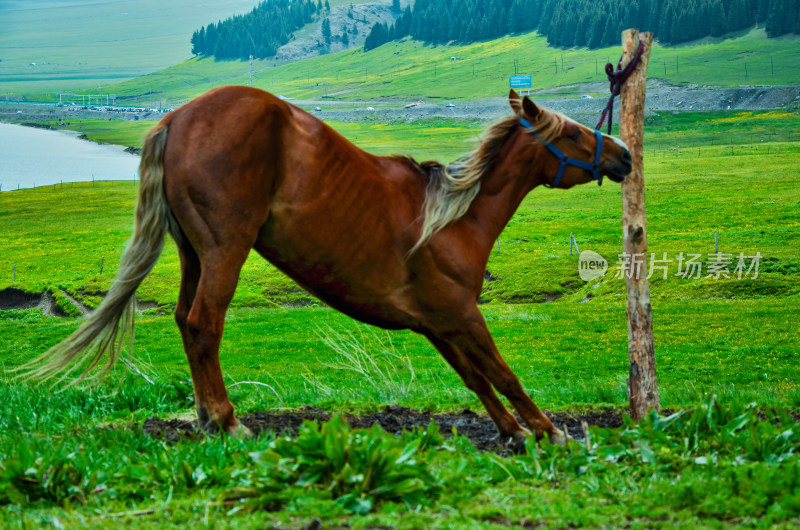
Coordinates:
x,y
479,428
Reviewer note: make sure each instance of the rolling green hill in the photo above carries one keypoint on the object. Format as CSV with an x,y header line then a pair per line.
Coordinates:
x,y
409,69
88,43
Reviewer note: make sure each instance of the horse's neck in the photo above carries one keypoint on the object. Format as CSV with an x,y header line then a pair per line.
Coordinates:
x,y
501,193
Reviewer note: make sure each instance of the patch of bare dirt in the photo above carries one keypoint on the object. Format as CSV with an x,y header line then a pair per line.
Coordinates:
x,y
479,428
12,298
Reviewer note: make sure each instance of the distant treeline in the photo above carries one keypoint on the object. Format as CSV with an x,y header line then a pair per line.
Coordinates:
x,y
585,23
260,32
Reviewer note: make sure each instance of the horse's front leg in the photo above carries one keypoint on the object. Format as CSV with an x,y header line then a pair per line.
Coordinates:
x,y
472,337
511,432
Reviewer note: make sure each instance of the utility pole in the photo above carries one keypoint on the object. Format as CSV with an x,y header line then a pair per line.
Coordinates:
x,y
642,383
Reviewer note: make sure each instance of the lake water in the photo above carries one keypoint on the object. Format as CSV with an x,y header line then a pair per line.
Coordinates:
x,y
37,157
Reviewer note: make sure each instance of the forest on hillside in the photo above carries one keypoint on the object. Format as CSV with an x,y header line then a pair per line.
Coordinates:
x,y
258,33
565,23
585,23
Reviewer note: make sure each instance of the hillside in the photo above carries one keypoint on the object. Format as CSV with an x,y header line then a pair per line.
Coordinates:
x,y
134,38
409,69
90,43
354,19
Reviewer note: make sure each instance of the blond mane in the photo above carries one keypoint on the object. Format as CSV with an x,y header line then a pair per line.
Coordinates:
x,y
452,189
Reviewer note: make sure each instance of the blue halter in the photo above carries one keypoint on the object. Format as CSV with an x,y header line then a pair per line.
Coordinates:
x,y
594,169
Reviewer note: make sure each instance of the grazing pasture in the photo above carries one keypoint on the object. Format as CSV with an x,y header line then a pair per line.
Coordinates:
x,y
79,458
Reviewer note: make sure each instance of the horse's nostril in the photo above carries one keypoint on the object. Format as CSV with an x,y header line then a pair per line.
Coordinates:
x,y
626,156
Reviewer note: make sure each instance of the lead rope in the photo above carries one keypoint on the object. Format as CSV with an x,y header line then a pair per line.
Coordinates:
x,y
616,78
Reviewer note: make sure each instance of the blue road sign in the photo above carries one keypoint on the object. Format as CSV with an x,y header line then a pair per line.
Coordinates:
x,y
520,81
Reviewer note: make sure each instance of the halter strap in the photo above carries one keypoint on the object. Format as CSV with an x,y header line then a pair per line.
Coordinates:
x,y
594,168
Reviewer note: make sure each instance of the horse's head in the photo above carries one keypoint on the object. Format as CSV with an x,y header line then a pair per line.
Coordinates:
x,y
570,152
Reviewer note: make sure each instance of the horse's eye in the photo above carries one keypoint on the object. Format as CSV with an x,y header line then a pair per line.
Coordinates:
x,y
574,134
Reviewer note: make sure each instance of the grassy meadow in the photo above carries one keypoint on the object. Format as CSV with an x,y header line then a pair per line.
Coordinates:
x,y
408,69
726,351
81,44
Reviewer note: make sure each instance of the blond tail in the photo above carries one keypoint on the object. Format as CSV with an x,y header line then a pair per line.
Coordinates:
x,y
105,331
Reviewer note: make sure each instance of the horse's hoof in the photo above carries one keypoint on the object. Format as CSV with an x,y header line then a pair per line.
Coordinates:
x,y
240,431
515,442
559,437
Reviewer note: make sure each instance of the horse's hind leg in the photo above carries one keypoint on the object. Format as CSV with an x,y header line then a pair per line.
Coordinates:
x,y
219,274
190,277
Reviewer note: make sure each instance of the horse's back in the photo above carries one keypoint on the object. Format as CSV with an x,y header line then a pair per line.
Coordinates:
x,y
245,169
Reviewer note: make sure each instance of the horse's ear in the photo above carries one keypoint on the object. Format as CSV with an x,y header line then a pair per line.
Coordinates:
x,y
515,101
530,108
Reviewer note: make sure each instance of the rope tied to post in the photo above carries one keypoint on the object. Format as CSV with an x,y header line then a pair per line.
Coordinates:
x,y
616,78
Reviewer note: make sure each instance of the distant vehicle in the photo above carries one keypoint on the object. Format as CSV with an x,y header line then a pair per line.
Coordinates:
x,y
284,98
412,105
370,108
449,105
586,96
317,109
455,58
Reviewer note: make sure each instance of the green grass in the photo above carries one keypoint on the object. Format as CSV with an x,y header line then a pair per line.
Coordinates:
x,y
409,69
125,133
715,466
568,355
749,188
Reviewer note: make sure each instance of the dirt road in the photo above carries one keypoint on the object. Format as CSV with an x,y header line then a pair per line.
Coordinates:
x,y
660,97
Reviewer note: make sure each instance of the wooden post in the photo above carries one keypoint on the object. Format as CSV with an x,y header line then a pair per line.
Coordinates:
x,y
642,384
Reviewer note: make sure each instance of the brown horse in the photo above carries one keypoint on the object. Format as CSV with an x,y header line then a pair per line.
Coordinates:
x,y
386,240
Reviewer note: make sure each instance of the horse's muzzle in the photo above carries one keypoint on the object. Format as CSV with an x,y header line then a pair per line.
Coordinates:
x,y
619,170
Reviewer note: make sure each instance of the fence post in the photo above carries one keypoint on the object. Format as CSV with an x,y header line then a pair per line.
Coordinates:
x,y
14,274
573,241
642,383
716,243
102,262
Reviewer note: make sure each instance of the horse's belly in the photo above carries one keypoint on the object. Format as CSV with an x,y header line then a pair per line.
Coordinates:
x,y
367,285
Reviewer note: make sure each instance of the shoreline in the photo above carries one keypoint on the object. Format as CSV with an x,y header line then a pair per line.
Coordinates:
x,y
36,157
